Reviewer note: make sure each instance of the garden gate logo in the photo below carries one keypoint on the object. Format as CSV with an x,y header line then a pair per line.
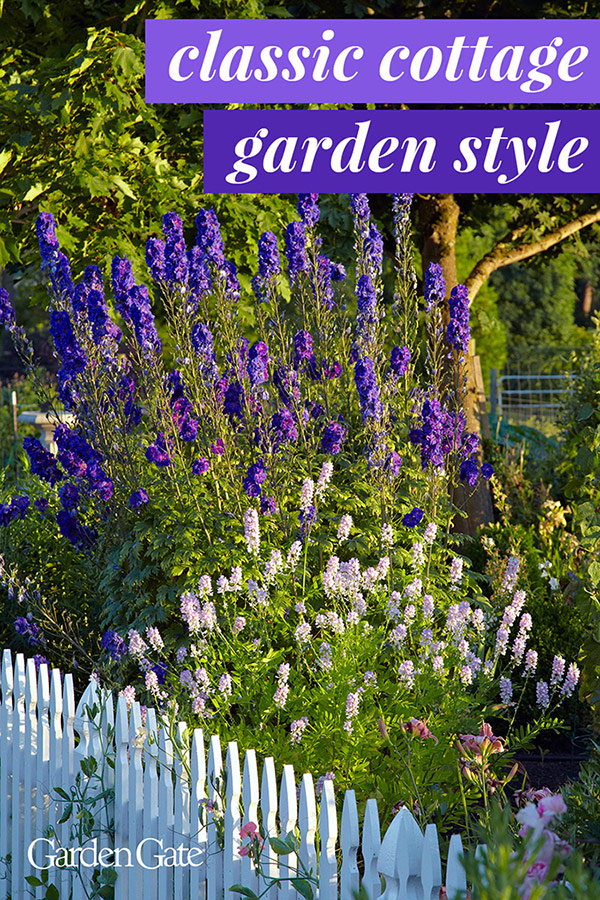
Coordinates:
x,y
43,854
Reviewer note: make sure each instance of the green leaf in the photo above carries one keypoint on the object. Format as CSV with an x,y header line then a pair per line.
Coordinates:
x,y
281,848
123,186
303,887
62,793
5,157
33,880
244,891
34,191
52,892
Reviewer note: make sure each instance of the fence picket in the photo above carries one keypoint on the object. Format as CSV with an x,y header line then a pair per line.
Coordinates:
x,y
181,812
43,755
456,881
17,766
431,865
6,711
150,813
288,817
233,794
29,754
214,876
307,820
136,797
250,799
350,841
121,793
268,808
198,837
165,807
328,832
371,845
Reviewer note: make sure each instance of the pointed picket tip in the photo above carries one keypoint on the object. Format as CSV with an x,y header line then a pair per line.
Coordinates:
x,y
122,722
43,686
31,685
68,698
349,824
19,676
7,671
431,865
456,879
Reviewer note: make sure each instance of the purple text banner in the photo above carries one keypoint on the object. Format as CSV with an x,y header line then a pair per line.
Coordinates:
x,y
376,61
283,151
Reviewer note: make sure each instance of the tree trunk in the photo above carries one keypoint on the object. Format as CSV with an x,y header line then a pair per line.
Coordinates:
x,y
438,215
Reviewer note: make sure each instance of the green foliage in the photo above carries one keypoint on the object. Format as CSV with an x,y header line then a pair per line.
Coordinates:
x,y
536,303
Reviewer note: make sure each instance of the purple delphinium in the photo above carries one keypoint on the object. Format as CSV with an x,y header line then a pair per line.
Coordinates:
x,y
234,401
321,286
45,226
399,360
268,506
435,286
157,452
133,305
114,644
295,249
16,509
333,437
43,463
69,496
366,298
439,434
138,498
393,464
359,206
469,471
41,504
7,313
286,383
203,343
487,471
199,281
368,390
373,250
181,408
52,258
258,364
413,518
401,204
103,328
458,331
79,535
155,259
337,271
303,348
307,518
255,478
308,209
80,460
283,428
200,466
208,236
73,356
269,264
176,261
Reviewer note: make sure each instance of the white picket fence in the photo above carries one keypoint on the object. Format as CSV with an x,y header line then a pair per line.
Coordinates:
x,y
44,738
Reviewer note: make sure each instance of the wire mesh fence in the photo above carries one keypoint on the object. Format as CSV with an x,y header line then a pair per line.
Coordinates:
x,y
533,388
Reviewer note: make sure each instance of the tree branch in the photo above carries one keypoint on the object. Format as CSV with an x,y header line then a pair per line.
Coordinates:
x,y
505,253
